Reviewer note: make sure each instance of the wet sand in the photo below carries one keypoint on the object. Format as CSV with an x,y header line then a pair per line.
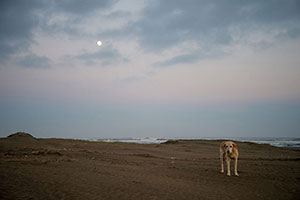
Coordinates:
x,y
33,168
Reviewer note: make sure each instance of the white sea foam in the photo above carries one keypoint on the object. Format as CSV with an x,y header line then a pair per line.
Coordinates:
x,y
135,140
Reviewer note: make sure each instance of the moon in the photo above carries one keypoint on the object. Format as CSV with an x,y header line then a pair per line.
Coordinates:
x,y
99,43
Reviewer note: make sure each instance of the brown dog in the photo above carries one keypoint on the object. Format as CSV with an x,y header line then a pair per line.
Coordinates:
x,y
228,151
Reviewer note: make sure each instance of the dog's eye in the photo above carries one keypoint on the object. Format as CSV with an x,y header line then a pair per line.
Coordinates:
x,y
230,146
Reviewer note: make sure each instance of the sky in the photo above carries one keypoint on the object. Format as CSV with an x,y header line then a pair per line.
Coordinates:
x,y
166,68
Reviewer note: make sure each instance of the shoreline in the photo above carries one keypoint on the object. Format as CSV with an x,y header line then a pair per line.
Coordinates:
x,y
284,142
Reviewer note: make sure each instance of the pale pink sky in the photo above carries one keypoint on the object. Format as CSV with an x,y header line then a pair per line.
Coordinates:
x,y
156,55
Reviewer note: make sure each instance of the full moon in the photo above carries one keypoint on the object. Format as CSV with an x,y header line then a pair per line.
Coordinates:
x,y
99,43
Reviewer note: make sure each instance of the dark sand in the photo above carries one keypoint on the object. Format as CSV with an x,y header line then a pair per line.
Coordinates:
x,y
71,169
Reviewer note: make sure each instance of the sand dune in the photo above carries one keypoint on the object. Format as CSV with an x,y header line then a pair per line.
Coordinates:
x,y
33,168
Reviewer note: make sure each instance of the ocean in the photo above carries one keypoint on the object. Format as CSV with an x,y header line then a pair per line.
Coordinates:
x,y
286,142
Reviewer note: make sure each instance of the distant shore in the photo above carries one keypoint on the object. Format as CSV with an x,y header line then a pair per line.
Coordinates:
x,y
32,168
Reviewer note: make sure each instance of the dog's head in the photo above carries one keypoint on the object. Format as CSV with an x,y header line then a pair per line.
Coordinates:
x,y
229,147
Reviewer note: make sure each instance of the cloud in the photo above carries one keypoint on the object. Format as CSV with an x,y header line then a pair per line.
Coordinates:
x,y
106,56
17,19
157,26
20,19
191,56
72,17
166,24
184,58
78,7
34,61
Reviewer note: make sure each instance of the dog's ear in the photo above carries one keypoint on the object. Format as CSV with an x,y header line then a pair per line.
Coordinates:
x,y
235,145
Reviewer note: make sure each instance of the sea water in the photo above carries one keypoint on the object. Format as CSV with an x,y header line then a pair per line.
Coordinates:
x,y
274,141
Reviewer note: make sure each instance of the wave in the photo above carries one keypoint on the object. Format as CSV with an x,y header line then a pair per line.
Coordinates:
x,y
135,140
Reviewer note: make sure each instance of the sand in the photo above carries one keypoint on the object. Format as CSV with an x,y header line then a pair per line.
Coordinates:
x,y
33,168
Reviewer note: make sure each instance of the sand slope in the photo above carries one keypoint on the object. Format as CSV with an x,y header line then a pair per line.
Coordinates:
x,y
33,168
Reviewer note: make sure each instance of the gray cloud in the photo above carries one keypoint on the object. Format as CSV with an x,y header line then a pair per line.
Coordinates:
x,y
33,61
184,58
106,56
79,7
19,19
73,12
191,57
162,25
210,25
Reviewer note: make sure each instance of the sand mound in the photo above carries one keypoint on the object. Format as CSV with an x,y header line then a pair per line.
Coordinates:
x,y
21,136
171,142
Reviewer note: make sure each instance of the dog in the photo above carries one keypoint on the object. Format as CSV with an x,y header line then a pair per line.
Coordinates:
x,y
228,151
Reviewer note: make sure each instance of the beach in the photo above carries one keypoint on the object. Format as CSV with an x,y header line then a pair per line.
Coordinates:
x,y
32,168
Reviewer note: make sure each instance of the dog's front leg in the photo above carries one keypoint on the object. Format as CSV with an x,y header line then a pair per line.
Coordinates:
x,y
235,166
228,167
222,161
